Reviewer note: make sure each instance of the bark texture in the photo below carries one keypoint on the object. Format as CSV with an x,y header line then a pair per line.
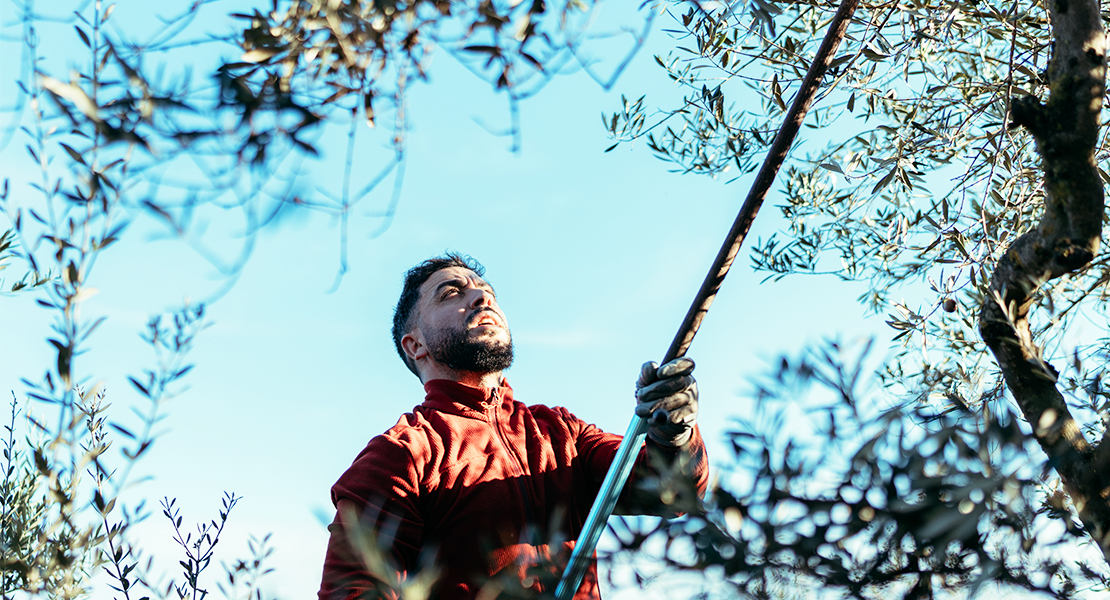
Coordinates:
x,y
1067,238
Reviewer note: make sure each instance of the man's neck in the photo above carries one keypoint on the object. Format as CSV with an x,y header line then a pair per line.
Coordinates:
x,y
467,378
479,380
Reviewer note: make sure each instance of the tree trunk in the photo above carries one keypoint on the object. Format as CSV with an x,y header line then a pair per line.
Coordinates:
x,y
1067,238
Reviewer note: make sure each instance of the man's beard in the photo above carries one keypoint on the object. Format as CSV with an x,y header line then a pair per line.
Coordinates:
x,y
456,350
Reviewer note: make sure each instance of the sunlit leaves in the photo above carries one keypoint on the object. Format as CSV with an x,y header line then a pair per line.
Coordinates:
x,y
912,118
379,48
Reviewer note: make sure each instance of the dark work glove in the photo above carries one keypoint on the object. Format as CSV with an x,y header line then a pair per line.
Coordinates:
x,y
673,389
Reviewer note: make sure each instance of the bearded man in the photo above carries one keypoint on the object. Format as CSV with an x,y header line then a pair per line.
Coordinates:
x,y
473,486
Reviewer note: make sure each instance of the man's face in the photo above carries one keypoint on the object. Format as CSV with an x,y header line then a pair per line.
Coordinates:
x,y
462,325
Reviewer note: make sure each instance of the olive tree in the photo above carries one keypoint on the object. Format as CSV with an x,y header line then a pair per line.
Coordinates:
x,y
957,158
92,140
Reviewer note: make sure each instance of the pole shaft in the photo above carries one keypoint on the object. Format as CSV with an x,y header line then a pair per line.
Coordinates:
x,y
637,430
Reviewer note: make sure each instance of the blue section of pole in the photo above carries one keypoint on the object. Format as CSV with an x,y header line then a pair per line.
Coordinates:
x,y
606,501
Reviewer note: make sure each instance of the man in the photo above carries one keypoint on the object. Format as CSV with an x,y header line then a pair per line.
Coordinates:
x,y
473,489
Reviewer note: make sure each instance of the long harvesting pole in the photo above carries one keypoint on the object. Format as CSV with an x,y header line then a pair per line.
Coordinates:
x,y
622,463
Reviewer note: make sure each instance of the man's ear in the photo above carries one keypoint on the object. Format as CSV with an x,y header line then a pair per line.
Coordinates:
x,y
413,345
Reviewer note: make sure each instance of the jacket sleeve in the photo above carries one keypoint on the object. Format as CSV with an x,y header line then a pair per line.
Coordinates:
x,y
689,462
382,487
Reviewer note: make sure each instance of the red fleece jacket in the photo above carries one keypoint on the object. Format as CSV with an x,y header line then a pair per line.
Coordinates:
x,y
481,480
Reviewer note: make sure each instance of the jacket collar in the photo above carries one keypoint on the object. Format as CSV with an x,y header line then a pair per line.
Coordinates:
x,y
453,397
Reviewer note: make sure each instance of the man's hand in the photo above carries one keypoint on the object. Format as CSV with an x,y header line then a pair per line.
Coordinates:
x,y
673,389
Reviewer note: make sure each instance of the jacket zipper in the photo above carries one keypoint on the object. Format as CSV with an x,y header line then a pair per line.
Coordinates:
x,y
525,496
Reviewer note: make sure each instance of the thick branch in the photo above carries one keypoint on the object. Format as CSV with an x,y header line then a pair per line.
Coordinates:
x,y
1066,239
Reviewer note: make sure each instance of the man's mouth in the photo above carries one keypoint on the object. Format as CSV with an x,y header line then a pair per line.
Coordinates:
x,y
486,318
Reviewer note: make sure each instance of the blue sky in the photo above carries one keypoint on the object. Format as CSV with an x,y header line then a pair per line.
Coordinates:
x,y
595,257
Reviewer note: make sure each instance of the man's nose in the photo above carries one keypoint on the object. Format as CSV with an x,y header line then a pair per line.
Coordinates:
x,y
481,297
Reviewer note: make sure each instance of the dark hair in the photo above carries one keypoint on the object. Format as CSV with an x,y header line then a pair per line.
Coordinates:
x,y
410,294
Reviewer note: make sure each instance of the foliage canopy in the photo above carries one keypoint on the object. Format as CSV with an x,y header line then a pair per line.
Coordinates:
x,y
927,166
946,129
